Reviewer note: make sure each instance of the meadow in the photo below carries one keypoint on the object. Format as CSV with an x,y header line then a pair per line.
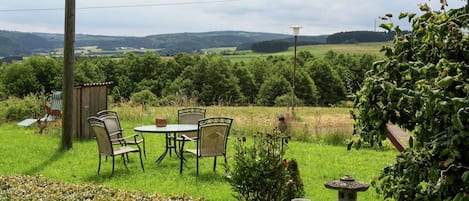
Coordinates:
x,y
372,48
316,50
318,145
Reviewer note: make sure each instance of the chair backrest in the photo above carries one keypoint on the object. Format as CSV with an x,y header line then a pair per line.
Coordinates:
x,y
190,115
56,102
213,135
54,112
112,122
102,136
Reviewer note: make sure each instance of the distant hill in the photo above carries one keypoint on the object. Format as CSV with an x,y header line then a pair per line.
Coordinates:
x,y
14,43
360,37
19,43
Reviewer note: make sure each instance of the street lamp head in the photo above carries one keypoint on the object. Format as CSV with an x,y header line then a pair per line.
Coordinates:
x,y
296,29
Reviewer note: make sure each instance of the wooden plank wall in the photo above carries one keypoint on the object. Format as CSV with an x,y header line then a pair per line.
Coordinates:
x,y
89,100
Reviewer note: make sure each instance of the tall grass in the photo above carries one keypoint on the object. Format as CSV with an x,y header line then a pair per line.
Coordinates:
x,y
25,152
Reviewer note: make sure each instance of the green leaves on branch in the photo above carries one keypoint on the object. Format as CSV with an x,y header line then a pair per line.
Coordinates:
x,y
422,86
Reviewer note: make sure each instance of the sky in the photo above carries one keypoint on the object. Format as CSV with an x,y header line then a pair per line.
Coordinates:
x,y
150,17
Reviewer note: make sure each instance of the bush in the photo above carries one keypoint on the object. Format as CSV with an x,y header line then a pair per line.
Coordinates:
x,y
39,188
261,173
16,109
144,97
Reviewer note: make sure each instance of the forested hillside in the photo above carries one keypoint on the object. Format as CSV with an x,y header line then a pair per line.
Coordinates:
x,y
25,44
360,37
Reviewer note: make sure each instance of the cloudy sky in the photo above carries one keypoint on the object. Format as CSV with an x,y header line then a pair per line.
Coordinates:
x,y
148,17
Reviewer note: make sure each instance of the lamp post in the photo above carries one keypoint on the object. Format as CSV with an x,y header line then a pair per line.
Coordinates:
x,y
296,32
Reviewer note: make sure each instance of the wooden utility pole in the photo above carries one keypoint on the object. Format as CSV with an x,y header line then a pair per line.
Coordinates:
x,y
69,59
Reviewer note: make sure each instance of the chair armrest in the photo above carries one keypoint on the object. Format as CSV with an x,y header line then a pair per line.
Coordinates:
x,y
120,140
184,137
115,133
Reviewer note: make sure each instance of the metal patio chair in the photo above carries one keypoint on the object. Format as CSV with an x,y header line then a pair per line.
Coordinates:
x,y
212,137
105,143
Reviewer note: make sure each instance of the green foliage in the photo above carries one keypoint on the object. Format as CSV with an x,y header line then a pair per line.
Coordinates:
x,y
305,88
261,173
19,80
48,72
208,79
40,188
423,87
351,68
15,109
329,85
272,88
359,37
88,72
144,97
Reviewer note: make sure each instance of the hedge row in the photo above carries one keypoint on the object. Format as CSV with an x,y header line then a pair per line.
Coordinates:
x,y
40,188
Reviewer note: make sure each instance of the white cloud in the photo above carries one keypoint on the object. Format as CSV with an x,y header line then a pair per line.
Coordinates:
x,y
157,17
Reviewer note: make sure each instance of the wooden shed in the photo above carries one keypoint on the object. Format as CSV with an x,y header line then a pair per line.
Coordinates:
x,y
88,100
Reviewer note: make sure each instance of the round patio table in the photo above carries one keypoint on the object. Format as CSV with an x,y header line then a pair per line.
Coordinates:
x,y
168,130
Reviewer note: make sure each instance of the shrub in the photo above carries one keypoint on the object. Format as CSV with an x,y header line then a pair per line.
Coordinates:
x,y
261,173
15,109
144,97
39,188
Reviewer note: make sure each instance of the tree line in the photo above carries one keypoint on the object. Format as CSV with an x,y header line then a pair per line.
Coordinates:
x,y
207,79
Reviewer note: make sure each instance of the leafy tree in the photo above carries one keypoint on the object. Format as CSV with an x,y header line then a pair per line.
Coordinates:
x,y
108,67
19,80
351,68
48,72
211,77
273,87
133,69
88,72
305,89
303,57
260,69
247,83
422,86
330,87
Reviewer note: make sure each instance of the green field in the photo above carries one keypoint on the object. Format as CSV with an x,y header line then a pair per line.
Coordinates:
x,y
28,153
317,50
236,56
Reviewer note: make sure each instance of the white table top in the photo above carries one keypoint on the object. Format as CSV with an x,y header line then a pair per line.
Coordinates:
x,y
170,128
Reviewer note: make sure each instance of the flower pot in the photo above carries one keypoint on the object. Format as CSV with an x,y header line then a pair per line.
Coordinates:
x,y
160,122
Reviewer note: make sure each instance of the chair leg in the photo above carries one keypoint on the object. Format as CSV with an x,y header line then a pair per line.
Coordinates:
x,y
181,151
112,166
125,163
197,164
99,164
214,163
144,150
226,163
141,163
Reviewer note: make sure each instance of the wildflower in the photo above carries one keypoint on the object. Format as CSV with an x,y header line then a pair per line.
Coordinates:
x,y
284,163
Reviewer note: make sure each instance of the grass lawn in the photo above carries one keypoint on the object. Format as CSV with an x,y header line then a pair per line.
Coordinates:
x,y
24,152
